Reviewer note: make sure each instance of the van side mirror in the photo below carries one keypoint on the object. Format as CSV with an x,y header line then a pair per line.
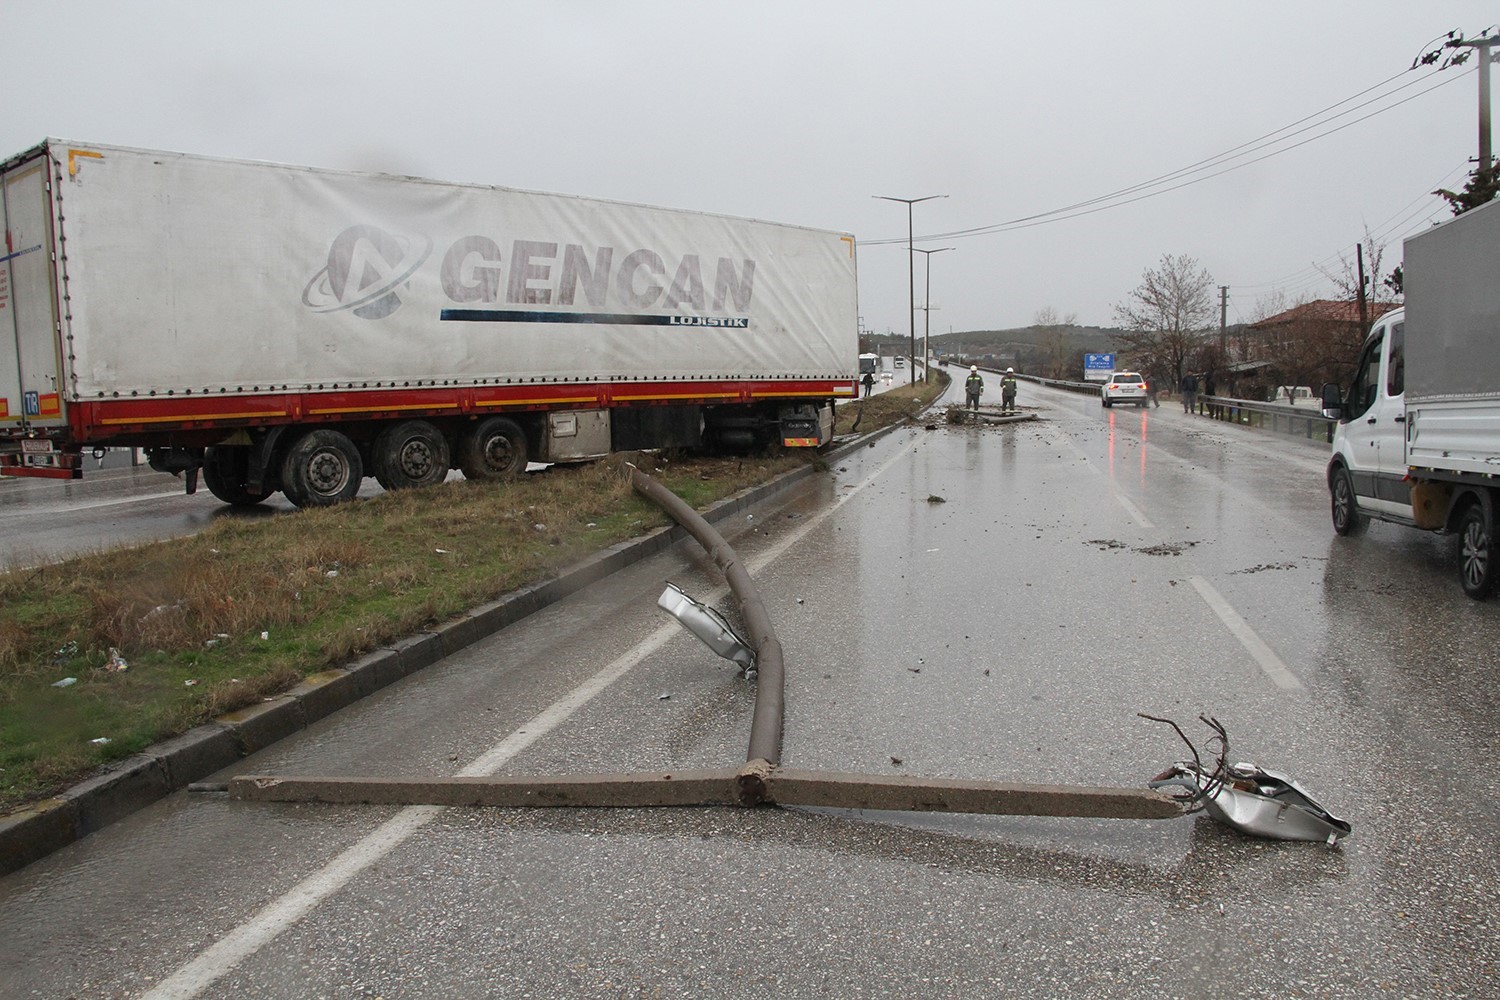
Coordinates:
x,y
1333,404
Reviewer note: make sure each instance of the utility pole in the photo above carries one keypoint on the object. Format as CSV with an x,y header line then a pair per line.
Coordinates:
x,y
1483,46
927,313
1223,324
911,275
1359,277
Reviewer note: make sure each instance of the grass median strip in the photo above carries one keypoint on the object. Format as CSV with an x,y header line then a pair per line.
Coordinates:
x,y
105,654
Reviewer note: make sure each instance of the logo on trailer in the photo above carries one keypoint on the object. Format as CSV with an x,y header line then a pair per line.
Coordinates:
x,y
367,267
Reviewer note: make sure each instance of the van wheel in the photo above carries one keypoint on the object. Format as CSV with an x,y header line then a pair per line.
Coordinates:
x,y
495,449
321,469
1347,520
1477,565
412,453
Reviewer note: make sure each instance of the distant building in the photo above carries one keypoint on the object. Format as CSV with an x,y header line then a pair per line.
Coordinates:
x,y
1320,312
1305,344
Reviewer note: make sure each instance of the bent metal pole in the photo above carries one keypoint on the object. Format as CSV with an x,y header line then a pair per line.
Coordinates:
x,y
770,686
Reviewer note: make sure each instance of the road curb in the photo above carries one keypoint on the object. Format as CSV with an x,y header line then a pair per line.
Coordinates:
x,y
33,832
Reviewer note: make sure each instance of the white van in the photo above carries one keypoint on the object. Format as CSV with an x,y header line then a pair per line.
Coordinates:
x,y
1418,437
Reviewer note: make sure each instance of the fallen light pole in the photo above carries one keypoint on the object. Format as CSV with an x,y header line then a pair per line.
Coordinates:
x,y
761,781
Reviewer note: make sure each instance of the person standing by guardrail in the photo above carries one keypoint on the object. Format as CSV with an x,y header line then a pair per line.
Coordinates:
x,y
1189,392
1008,391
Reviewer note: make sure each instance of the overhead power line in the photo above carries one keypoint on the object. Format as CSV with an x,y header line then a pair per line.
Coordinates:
x,y
1183,176
1407,219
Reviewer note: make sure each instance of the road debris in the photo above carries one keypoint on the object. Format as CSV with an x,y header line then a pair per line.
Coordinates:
x,y
709,625
65,682
116,663
1248,797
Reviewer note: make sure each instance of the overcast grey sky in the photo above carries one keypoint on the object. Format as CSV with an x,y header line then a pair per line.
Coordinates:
x,y
800,112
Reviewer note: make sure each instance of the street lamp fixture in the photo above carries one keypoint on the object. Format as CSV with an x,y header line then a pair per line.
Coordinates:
x,y
911,274
927,313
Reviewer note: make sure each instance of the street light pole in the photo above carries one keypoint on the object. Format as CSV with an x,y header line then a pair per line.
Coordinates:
x,y
911,275
927,312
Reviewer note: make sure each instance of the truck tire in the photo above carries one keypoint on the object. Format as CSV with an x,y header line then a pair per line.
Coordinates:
x,y
1477,564
494,449
410,454
224,473
322,468
1347,520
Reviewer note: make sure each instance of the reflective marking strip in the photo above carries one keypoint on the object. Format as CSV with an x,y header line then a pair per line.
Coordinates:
x,y
681,395
1241,630
527,402
373,408
799,442
771,394
74,154
194,416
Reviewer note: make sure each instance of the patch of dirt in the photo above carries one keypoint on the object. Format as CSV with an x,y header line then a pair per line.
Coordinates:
x,y
1263,567
1164,549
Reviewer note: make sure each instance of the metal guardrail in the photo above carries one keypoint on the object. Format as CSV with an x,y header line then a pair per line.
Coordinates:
x,y
1282,419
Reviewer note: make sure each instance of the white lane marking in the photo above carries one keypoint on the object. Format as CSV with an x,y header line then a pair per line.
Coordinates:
x,y
242,942
1132,509
1241,630
1063,439
245,940
1265,657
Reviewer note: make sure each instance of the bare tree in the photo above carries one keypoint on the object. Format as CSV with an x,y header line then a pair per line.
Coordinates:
x,y
1347,282
1054,340
1166,316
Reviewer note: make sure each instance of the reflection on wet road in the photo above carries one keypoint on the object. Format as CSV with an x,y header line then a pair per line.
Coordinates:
x,y
990,602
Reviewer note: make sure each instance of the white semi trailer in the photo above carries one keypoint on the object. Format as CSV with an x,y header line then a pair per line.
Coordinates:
x,y
296,329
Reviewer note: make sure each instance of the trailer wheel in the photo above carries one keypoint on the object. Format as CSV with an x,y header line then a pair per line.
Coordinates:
x,y
412,453
1477,564
495,449
225,471
1347,520
322,468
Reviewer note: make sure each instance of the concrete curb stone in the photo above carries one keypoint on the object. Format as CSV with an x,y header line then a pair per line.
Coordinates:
x,y
36,831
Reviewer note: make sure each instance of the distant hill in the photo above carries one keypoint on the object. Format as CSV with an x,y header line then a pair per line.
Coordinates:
x,y
1076,338
1018,340
1054,351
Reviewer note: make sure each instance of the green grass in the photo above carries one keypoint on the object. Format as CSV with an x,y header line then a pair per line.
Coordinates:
x,y
247,608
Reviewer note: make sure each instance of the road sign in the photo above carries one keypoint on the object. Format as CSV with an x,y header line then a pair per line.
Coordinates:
x,y
1096,367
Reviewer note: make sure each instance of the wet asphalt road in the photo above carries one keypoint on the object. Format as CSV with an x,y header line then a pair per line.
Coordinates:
x,y
42,520
1078,569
